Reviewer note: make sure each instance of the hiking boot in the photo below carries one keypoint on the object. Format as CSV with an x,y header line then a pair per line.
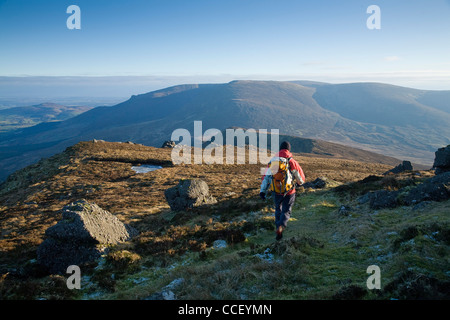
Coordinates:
x,y
279,233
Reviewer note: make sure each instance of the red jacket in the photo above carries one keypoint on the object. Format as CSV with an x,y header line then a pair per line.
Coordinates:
x,y
295,168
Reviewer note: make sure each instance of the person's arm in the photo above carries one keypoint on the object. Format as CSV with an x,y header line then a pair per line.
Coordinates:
x,y
265,183
297,172
266,179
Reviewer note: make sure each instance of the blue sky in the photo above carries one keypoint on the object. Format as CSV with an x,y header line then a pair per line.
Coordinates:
x,y
222,40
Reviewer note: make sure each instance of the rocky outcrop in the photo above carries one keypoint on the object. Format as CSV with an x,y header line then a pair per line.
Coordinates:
x,y
320,183
80,237
404,166
433,189
442,160
189,194
436,188
383,199
168,144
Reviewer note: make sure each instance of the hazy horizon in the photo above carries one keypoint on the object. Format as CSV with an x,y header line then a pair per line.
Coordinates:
x,y
131,47
108,90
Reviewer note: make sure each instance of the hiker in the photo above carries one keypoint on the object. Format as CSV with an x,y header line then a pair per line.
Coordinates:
x,y
280,175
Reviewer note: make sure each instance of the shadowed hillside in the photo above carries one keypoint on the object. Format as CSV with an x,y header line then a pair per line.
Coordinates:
x,y
319,148
394,121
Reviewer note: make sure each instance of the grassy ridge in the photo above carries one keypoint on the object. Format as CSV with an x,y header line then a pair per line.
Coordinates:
x,y
330,241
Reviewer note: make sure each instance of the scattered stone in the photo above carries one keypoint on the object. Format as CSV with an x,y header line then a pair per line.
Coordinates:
x,y
442,160
320,183
174,284
404,166
383,199
344,211
80,237
266,255
189,194
219,244
167,293
168,144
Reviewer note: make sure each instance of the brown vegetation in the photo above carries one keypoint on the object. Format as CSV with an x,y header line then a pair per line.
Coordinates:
x,y
101,172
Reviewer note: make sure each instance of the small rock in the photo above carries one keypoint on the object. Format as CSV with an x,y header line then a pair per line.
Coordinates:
x,y
219,244
168,144
319,183
174,284
267,256
344,211
168,295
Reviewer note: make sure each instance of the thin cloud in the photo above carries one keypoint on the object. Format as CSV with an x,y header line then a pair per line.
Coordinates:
x,y
314,63
391,58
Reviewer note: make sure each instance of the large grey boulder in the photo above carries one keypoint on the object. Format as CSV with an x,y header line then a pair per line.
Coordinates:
x,y
189,194
442,160
80,237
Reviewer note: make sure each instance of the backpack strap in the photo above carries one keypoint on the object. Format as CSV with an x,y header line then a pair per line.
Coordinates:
x,y
285,181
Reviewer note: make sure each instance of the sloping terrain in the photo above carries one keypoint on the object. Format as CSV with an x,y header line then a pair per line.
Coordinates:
x,y
332,238
394,121
317,148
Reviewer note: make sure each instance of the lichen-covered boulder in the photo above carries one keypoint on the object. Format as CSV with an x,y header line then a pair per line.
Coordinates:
x,y
189,194
80,237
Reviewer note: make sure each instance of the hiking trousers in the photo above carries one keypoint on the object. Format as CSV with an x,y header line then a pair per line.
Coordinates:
x,y
283,209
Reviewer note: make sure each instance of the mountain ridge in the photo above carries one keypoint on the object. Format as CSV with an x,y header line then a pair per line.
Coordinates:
x,y
150,118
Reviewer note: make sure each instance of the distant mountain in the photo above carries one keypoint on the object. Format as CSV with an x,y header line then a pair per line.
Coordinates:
x,y
316,148
20,117
399,122
387,117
